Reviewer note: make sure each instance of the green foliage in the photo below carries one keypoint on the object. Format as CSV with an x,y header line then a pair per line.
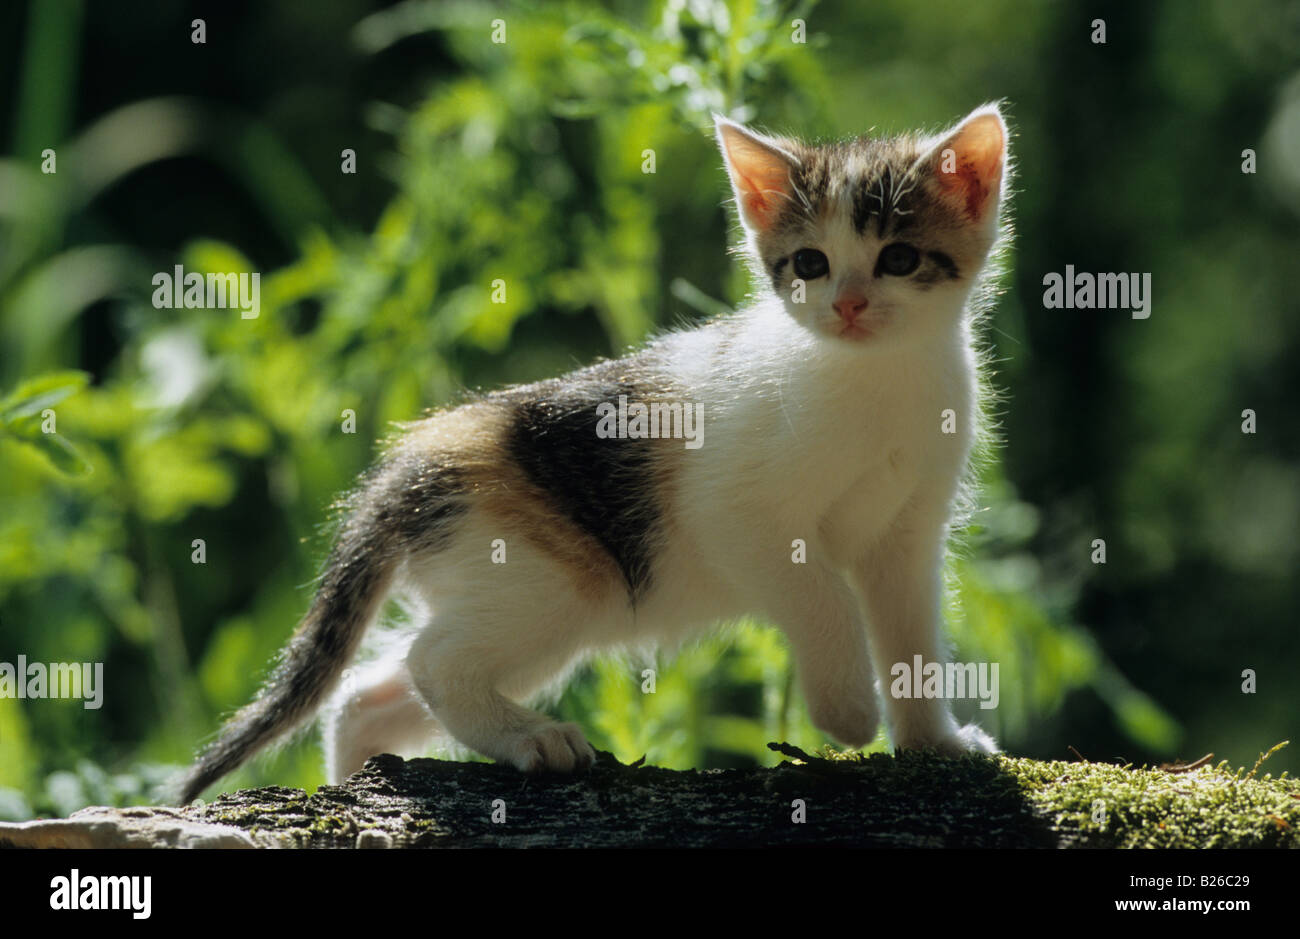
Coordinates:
x,y
21,417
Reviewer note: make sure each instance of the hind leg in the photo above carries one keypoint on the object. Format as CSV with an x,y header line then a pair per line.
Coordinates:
x,y
377,711
500,634
461,682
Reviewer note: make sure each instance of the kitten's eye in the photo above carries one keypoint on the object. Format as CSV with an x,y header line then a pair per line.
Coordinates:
x,y
898,260
809,264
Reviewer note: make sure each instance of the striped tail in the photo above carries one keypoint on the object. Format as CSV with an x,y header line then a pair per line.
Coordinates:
x,y
355,583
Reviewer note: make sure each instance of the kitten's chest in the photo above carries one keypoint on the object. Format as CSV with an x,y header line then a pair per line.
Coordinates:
x,y
912,445
859,453
908,418
827,452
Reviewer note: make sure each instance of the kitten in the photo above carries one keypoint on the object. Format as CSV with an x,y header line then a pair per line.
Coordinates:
x,y
823,408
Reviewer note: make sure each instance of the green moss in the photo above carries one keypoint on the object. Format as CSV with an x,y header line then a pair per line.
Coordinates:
x,y
1118,806
329,824
1105,805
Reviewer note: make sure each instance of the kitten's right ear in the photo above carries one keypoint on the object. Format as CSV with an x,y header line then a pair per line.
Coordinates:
x,y
968,163
759,168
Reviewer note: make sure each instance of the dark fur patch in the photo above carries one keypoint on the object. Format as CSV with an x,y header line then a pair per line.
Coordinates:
x,y
417,499
608,487
864,204
813,175
777,268
945,264
880,196
940,267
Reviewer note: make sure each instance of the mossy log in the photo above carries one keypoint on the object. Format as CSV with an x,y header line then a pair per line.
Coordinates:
x,y
882,800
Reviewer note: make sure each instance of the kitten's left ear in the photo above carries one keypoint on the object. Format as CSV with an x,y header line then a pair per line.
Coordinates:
x,y
968,163
759,168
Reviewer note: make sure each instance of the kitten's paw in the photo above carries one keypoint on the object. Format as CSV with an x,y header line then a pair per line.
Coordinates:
x,y
552,747
851,722
972,739
977,741
957,742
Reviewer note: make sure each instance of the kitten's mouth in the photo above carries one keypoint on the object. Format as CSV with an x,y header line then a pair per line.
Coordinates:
x,y
860,329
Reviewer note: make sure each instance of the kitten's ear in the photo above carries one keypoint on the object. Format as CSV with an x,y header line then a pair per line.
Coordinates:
x,y
759,168
969,162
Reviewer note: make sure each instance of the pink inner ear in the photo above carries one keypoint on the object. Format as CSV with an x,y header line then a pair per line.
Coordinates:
x,y
761,206
978,147
761,177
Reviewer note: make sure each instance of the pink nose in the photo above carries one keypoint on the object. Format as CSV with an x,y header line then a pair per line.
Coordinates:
x,y
849,305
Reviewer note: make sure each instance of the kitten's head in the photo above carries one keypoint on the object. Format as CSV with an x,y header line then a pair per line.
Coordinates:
x,y
871,239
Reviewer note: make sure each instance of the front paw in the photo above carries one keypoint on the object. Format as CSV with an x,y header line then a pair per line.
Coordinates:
x,y
972,739
550,747
957,741
850,722
950,741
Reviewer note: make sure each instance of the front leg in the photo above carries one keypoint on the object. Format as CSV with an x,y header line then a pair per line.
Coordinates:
x,y
901,580
820,615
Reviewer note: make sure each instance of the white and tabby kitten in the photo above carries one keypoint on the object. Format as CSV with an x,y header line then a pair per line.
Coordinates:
x,y
823,404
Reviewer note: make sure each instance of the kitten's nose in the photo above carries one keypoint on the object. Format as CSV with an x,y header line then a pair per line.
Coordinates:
x,y
849,305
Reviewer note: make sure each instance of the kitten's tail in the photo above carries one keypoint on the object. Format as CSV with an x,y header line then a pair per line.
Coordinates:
x,y
355,582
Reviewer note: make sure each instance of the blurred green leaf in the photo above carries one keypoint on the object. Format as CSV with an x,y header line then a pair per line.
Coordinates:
x,y
44,391
61,453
